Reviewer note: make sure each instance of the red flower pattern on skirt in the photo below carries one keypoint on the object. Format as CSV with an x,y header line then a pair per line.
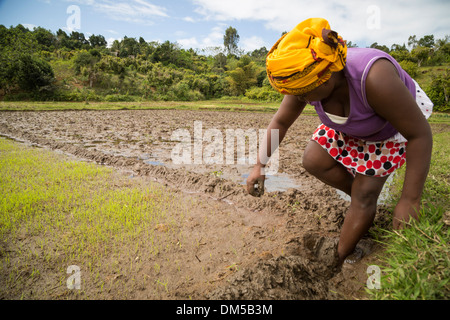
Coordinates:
x,y
378,159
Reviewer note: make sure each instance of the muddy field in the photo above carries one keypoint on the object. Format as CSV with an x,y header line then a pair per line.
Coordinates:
x,y
283,243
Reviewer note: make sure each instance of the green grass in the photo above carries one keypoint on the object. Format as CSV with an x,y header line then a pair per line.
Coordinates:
x,y
416,260
236,105
55,212
426,74
439,117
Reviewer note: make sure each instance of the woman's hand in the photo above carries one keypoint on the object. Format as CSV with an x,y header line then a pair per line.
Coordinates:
x,y
404,211
256,176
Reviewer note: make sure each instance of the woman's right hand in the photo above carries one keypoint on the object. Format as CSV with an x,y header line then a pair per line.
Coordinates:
x,y
290,109
258,177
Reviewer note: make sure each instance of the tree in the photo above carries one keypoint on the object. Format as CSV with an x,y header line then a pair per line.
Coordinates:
x,y
220,61
164,53
244,76
230,40
44,38
260,53
129,47
397,47
420,54
17,40
77,40
412,41
85,64
427,41
439,91
62,39
410,67
351,45
400,53
116,46
171,53
442,50
7,73
375,45
97,41
33,73
443,44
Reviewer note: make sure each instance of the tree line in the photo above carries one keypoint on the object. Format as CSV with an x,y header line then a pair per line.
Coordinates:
x,y
41,65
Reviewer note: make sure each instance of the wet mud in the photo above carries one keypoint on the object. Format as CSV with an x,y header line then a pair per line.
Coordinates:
x,y
285,241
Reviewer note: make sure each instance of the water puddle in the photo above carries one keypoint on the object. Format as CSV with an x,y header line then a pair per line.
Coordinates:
x,y
275,182
155,163
385,194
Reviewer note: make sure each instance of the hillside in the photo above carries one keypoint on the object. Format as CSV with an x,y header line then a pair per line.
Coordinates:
x,y
42,65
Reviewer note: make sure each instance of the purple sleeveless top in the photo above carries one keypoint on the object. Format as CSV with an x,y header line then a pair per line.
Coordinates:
x,y
363,123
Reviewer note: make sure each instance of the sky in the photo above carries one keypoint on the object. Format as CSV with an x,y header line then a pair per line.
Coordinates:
x,y
201,24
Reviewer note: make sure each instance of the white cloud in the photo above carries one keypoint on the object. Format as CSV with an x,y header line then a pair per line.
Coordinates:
x,y
397,19
234,9
29,26
188,42
111,40
213,39
188,19
137,11
252,43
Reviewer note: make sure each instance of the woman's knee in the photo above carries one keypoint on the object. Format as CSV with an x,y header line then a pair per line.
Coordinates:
x,y
365,192
365,200
316,159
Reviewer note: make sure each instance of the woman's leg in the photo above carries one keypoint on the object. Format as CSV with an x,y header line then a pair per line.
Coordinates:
x,y
361,213
320,164
364,192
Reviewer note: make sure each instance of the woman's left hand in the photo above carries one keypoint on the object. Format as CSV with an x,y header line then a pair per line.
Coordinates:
x,y
403,212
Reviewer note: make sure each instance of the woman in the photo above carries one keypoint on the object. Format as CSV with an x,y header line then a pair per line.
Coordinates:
x,y
374,120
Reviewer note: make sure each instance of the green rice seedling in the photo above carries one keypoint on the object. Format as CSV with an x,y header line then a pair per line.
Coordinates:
x,y
71,213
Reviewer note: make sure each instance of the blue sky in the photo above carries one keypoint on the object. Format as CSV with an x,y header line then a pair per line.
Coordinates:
x,y
202,23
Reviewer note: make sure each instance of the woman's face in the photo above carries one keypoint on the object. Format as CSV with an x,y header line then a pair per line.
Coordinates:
x,y
320,93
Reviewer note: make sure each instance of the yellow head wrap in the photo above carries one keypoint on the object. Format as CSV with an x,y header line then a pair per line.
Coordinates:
x,y
304,58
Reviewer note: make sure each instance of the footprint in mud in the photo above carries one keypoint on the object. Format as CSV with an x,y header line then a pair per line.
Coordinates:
x,y
323,250
363,248
303,273
355,256
315,247
283,277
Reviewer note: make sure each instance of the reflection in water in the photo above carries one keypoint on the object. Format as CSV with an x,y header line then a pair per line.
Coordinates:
x,y
275,183
155,163
385,195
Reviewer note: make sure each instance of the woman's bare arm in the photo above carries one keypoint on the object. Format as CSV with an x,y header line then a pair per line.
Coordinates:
x,y
290,109
391,99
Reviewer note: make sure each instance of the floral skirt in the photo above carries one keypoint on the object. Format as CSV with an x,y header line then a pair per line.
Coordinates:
x,y
378,159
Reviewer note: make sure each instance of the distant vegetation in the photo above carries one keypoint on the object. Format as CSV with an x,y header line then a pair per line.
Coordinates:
x,y
44,66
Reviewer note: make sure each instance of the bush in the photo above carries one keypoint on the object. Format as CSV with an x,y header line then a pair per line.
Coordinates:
x,y
118,98
182,92
410,67
263,94
33,73
439,91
